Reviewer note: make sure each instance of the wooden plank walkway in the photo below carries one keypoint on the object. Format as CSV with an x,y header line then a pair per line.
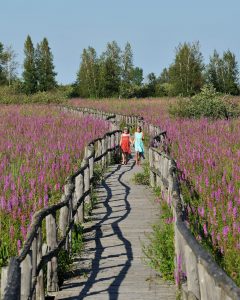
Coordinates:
x,y
111,266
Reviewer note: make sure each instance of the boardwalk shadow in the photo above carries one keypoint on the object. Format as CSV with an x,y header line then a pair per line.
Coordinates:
x,y
126,254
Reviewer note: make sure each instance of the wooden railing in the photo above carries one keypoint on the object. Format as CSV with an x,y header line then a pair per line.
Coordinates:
x,y
202,277
23,278
157,134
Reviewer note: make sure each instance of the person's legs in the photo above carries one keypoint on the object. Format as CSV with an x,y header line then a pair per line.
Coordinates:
x,y
126,158
123,158
137,157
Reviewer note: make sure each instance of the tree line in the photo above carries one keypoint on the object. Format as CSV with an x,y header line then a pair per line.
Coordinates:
x,y
38,68
113,73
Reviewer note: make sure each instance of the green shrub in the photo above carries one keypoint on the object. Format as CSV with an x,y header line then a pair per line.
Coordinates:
x,y
64,262
12,95
143,177
65,258
165,90
208,103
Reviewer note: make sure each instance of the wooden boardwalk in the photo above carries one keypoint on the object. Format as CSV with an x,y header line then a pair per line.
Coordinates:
x,y
111,266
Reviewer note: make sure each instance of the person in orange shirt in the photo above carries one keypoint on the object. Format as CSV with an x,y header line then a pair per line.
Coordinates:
x,y
125,142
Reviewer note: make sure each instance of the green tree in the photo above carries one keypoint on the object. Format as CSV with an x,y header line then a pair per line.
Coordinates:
x,y
164,76
11,65
213,71
222,72
3,78
152,82
45,67
137,76
231,73
127,70
29,73
186,72
111,70
88,74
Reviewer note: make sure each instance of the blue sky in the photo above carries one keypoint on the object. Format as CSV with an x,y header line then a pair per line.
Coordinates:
x,y
153,27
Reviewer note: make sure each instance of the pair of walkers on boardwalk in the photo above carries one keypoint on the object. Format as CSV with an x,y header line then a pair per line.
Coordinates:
x,y
125,144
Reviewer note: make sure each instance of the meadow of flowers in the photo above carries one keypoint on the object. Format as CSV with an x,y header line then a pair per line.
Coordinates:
x,y
208,155
39,148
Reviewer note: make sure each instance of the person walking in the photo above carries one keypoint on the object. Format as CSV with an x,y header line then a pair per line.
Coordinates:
x,y
138,144
125,142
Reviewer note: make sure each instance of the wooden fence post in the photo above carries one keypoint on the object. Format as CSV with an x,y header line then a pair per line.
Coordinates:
x,y
40,293
12,290
99,150
91,160
86,183
79,188
69,192
151,163
112,145
103,151
63,220
26,276
51,232
4,277
34,265
109,154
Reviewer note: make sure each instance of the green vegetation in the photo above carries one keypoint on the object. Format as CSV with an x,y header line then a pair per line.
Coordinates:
x,y
208,103
112,74
142,177
38,74
30,72
185,73
9,95
223,73
38,83
160,251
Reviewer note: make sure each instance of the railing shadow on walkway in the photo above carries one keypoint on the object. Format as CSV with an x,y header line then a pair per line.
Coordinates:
x,y
117,279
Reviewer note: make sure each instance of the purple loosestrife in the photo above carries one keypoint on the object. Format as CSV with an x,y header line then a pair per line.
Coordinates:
x,y
40,147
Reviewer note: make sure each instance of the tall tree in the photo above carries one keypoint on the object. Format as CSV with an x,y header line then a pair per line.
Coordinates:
x,y
3,78
88,74
111,70
164,76
29,73
231,73
45,67
213,70
222,72
127,69
186,71
10,65
137,76
152,81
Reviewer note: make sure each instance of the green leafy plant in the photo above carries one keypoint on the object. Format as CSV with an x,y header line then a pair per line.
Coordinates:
x,y
65,258
77,239
64,262
208,104
4,255
143,177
